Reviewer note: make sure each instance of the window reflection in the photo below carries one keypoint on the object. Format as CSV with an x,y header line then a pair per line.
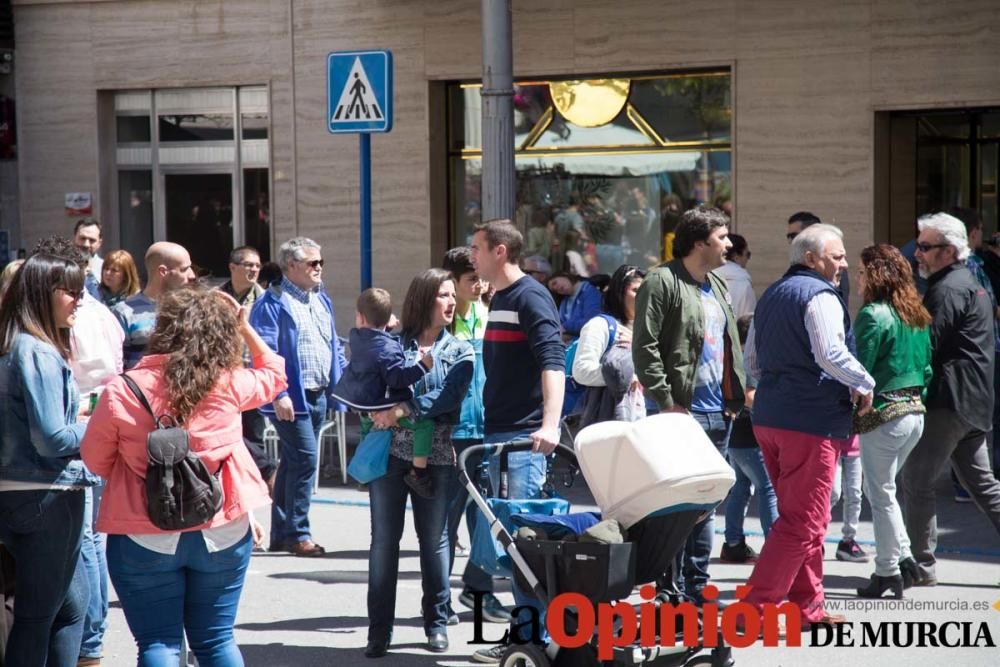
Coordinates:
x,y
132,129
196,127
610,187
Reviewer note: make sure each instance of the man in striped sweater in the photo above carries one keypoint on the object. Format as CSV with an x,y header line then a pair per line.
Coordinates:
x,y
524,357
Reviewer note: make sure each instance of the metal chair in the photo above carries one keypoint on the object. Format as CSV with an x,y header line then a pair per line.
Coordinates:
x,y
336,424
333,428
271,439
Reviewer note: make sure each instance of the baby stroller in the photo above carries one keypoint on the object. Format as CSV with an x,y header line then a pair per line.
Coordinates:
x,y
657,477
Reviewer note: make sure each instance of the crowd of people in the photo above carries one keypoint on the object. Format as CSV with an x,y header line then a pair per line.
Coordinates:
x,y
490,347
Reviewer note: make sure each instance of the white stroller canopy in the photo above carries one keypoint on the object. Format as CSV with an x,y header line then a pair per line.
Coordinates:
x,y
657,464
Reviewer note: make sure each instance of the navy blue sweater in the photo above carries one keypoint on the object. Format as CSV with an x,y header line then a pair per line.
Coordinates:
x,y
522,339
377,376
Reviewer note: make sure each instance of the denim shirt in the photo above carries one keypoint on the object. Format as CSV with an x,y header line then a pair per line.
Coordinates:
x,y
39,433
439,394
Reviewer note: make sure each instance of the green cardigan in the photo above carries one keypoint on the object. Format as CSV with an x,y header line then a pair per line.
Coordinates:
x,y
897,356
669,332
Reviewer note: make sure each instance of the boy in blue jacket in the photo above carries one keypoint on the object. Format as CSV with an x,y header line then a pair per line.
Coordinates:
x,y
377,379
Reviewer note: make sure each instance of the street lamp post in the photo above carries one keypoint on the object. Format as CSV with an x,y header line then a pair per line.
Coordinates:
x,y
498,111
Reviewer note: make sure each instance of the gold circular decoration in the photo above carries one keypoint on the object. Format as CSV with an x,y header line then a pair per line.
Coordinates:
x,y
592,102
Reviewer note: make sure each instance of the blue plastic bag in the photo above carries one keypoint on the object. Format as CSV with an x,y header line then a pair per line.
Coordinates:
x,y
486,552
371,459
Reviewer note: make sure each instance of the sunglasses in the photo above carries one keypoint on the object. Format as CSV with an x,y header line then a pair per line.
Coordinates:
x,y
314,264
927,247
76,295
791,236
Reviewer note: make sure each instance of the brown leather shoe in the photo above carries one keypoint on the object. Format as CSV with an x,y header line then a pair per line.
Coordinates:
x,y
306,549
825,619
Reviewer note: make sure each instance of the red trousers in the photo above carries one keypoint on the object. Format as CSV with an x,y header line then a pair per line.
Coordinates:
x,y
790,565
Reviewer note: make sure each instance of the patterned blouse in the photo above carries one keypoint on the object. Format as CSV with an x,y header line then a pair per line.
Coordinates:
x,y
442,453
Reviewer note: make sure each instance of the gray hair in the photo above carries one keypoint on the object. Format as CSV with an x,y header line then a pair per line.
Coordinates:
x,y
812,239
951,229
292,250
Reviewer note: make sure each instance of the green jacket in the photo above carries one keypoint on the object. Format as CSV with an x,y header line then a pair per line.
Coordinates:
x,y
669,333
897,356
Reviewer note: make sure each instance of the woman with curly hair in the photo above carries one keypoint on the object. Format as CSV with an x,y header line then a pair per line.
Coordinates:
x,y
119,278
893,343
169,582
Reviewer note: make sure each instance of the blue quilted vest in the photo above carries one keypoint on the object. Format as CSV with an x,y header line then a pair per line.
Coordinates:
x,y
794,393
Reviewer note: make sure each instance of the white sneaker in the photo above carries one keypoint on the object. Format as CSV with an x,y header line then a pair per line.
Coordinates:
x,y
490,656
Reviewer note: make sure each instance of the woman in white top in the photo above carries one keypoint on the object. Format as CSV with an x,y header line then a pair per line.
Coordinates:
x,y
595,336
734,272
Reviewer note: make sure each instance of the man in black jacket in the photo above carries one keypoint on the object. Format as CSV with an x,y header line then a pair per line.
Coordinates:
x,y
960,397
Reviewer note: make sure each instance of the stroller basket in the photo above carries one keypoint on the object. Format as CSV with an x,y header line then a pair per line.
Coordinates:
x,y
600,572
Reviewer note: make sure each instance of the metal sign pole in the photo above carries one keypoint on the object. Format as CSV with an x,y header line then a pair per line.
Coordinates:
x,y
359,100
365,143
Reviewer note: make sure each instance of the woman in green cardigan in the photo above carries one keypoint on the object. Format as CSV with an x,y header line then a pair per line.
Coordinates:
x,y
893,343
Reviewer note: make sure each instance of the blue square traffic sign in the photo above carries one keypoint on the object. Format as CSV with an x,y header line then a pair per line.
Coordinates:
x,y
359,91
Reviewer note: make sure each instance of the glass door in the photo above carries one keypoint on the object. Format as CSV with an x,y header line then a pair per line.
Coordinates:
x,y
199,216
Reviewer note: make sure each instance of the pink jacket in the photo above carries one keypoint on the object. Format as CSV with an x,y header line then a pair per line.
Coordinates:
x,y
114,445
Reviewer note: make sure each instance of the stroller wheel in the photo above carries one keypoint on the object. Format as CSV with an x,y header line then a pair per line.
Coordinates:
x,y
524,655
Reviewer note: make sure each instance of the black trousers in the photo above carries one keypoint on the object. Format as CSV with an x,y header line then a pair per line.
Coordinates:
x,y
253,437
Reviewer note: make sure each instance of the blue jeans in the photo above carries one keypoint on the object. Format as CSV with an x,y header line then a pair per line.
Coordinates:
x,y
163,595
42,531
526,473
692,561
388,495
96,566
293,484
847,485
750,472
473,579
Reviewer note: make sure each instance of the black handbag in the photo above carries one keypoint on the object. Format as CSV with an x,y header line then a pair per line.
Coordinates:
x,y
180,491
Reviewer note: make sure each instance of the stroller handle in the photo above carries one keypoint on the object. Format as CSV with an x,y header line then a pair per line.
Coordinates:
x,y
504,449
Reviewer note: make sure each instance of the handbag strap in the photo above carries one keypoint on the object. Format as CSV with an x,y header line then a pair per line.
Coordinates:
x,y
158,421
138,394
612,332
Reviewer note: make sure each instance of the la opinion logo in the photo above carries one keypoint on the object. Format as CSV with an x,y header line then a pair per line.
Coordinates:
x,y
739,624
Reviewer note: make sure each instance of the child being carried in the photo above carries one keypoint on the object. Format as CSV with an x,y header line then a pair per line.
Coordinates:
x,y
377,378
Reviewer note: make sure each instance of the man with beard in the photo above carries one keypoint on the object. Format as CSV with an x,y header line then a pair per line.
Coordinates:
x,y
960,396
686,351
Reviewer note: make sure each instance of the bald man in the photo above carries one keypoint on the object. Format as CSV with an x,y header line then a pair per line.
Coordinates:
x,y
168,266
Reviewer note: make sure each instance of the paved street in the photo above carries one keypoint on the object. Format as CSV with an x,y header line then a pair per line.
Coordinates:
x,y
304,613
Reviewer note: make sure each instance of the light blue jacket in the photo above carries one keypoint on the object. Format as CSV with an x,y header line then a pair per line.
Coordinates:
x,y
272,318
439,394
39,433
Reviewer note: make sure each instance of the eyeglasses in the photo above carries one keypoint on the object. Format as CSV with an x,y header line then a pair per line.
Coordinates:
x,y
314,264
927,247
791,236
77,295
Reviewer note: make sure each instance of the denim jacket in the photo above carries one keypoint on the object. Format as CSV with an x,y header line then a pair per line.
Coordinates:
x,y
471,423
439,394
39,433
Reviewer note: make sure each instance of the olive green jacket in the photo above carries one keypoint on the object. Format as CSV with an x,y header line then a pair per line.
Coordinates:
x,y
669,333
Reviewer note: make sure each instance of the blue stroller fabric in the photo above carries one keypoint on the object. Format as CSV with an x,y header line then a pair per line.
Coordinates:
x,y
486,552
371,459
558,527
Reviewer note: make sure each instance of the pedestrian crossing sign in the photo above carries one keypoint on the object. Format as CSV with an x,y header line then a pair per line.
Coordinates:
x,y
359,91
